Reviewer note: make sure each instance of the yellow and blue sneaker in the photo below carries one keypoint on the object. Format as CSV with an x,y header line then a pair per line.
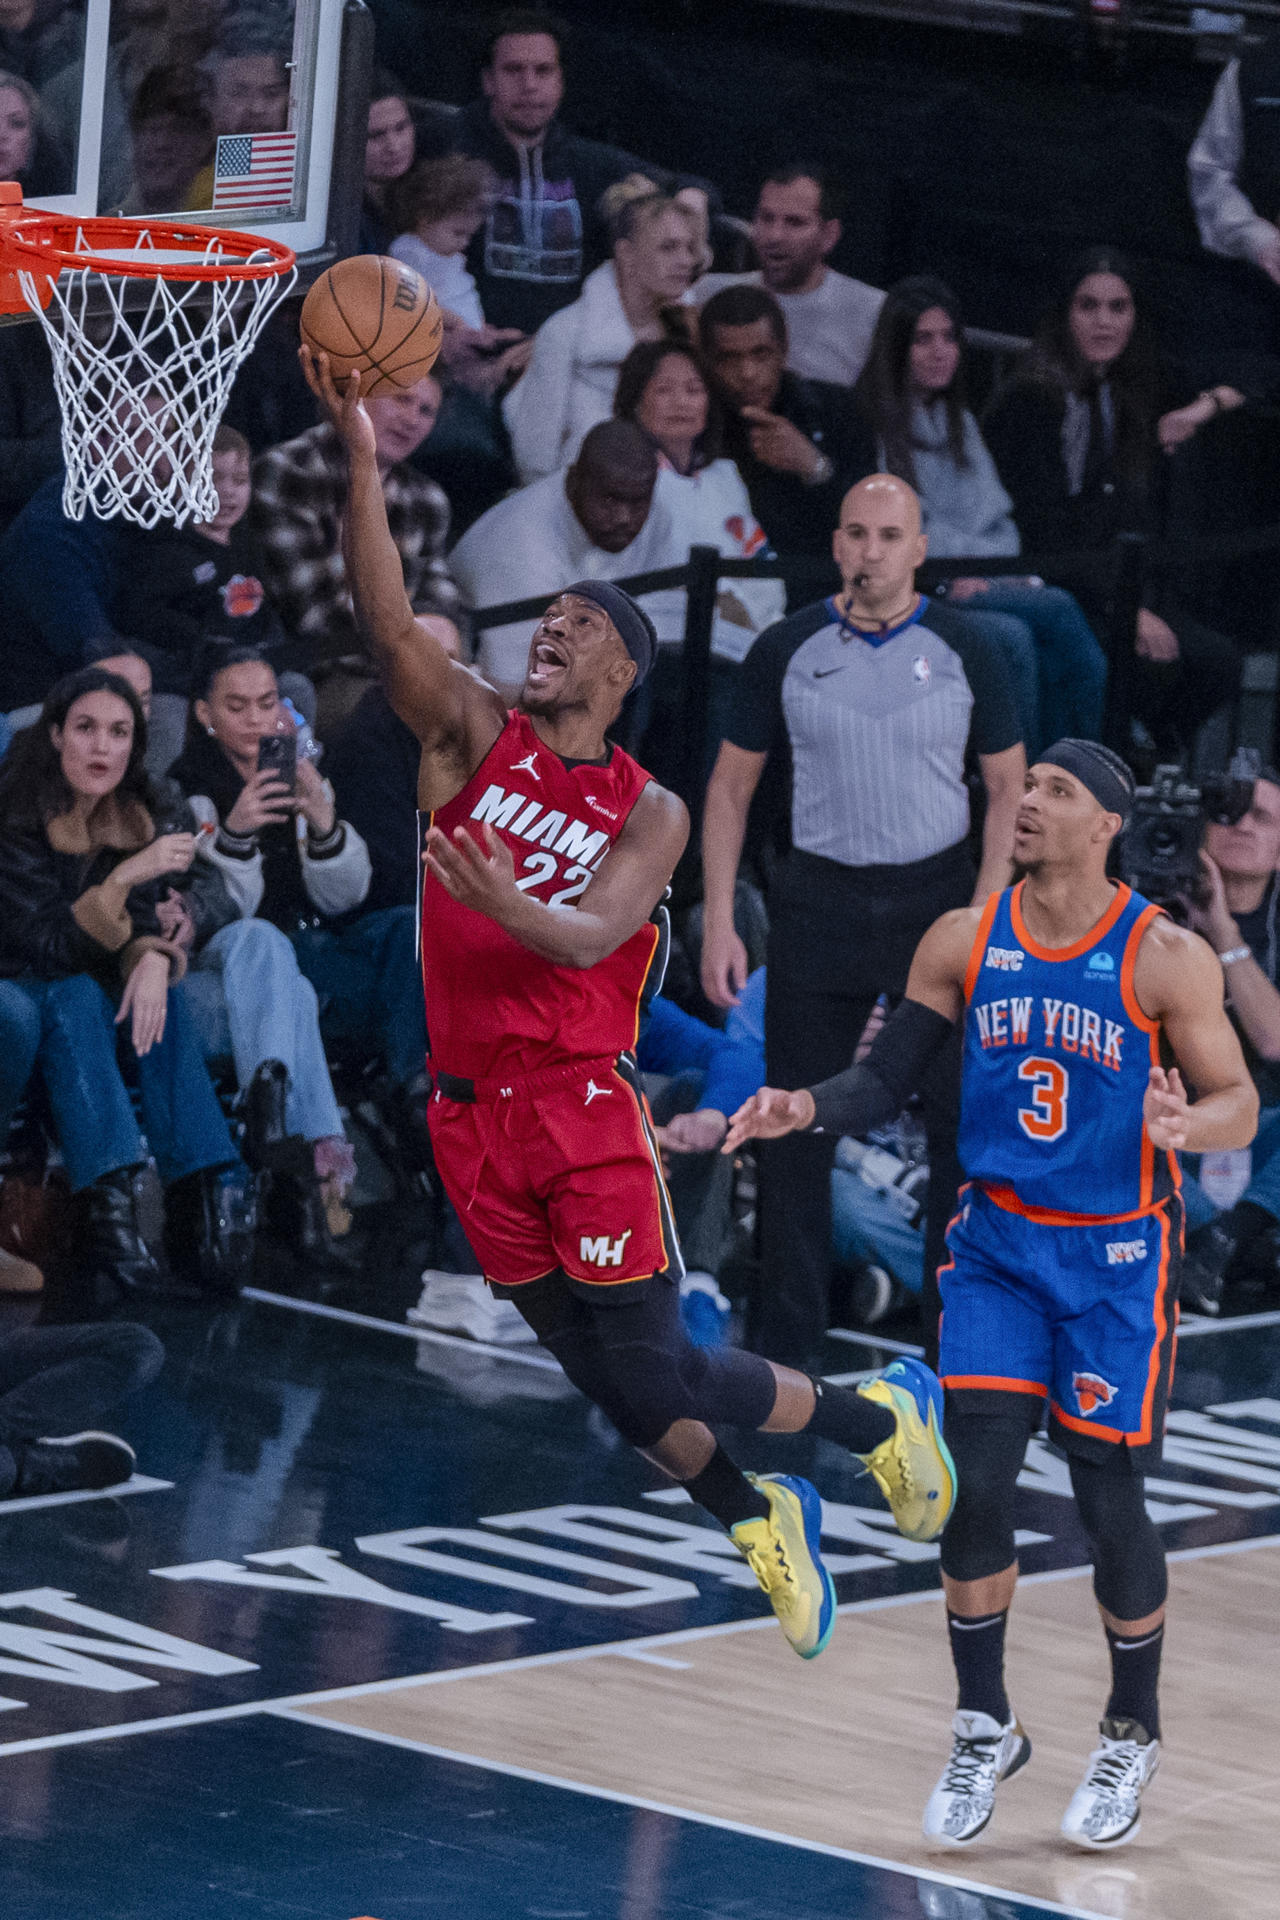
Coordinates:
x,y
782,1552
913,1468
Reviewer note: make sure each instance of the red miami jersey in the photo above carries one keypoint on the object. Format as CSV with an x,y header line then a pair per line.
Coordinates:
x,y
493,1007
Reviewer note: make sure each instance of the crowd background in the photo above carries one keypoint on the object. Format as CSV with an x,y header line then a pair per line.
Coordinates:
x,y
686,307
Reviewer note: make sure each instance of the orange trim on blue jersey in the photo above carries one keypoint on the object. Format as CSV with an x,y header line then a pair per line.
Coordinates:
x,y
974,967
1128,991
993,1383
1009,1202
1097,932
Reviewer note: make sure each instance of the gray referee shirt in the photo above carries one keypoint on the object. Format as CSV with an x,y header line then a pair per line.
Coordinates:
x,y
879,724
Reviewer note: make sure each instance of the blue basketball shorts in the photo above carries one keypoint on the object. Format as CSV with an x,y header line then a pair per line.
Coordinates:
x,y
1054,1307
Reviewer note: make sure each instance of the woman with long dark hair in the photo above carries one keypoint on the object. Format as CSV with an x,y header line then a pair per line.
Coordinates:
x,y
912,391
89,855
1081,436
663,386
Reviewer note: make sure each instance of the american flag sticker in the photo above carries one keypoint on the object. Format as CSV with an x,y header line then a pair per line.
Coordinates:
x,y
254,170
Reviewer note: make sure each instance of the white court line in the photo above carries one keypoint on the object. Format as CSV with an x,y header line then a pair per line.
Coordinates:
x,y
654,1659
483,1669
872,1340
646,1805
322,1312
138,1484
1201,1323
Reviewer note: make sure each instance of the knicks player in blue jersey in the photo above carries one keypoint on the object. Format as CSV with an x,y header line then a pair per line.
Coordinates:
x,y
1083,1005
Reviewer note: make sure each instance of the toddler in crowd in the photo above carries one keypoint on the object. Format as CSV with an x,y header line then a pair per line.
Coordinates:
x,y
436,209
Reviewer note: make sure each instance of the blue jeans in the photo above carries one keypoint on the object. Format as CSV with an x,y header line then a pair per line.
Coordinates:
x,y
68,1028
249,1001
369,986
1057,669
1264,1180
865,1225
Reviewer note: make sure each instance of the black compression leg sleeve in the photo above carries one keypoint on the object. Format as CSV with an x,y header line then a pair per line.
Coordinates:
x,y
988,1450
1129,1574
635,1361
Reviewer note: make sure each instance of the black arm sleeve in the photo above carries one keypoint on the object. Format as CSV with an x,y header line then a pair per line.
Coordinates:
x,y
875,1091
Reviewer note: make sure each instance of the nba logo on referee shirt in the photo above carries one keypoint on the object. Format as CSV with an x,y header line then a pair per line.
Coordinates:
x,y
920,670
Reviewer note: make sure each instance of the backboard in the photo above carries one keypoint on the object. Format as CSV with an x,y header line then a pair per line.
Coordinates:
x,y
230,113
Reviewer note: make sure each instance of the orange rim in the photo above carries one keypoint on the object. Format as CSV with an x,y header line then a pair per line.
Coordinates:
x,y
36,241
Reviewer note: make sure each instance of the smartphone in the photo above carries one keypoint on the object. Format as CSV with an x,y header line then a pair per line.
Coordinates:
x,y
278,753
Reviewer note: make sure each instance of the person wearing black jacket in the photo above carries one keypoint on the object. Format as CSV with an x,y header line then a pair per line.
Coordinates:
x,y
89,855
544,232
798,444
1082,436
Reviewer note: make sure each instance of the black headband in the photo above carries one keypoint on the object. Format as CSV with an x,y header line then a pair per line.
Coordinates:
x,y
635,628
1104,773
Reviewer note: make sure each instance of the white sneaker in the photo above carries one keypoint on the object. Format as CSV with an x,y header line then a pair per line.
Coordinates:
x,y
983,1753
1106,1808
462,1303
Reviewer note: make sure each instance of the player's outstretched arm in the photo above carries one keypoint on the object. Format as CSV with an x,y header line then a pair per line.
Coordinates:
x,y
623,894
874,1092
1179,982
432,693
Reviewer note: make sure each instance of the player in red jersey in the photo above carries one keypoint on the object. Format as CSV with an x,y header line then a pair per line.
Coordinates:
x,y
547,853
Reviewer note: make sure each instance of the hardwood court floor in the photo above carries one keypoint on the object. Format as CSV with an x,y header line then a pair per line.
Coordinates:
x,y
844,1752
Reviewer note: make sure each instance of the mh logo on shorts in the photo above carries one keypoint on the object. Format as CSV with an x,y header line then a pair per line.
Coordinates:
x,y
1092,1391
599,1250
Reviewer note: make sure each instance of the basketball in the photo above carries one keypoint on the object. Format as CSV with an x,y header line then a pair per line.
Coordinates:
x,y
374,313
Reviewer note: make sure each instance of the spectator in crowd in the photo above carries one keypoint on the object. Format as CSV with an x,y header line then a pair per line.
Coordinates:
x,y
1233,167
39,38
434,211
600,520
664,387
172,141
299,497
83,956
56,1383
28,152
57,579
573,371
373,763
830,317
1236,908
291,859
543,233
246,84
179,588
912,392
883,696
1081,436
799,444
390,148
30,419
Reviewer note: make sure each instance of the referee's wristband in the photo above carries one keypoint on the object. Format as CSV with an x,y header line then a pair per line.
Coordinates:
x,y
1232,954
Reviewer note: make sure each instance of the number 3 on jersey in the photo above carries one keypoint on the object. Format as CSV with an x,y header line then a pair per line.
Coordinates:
x,y
1046,1117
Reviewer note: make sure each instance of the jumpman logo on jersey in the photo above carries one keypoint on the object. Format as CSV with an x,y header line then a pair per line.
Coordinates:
x,y
594,1092
527,766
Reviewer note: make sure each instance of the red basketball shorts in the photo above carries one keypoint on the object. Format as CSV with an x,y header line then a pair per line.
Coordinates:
x,y
558,1169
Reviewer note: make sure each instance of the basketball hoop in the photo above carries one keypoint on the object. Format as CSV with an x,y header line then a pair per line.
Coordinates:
x,y
141,382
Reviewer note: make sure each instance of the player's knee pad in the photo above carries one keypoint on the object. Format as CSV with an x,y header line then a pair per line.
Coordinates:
x,y
635,1381
988,1450
1130,1578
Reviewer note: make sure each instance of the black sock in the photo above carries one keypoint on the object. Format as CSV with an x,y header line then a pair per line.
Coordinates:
x,y
977,1647
849,1418
1245,1221
726,1493
1135,1677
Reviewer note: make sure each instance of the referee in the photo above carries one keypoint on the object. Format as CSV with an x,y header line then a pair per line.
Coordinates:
x,y
883,695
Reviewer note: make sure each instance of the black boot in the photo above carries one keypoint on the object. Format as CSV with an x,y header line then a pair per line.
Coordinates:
x,y
208,1231
114,1256
266,1133
294,1209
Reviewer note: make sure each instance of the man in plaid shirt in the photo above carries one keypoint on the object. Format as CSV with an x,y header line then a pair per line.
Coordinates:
x,y
299,497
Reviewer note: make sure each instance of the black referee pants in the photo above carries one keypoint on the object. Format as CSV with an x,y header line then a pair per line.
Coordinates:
x,y
839,937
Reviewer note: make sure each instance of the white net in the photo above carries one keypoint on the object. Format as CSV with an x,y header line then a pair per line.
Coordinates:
x,y
143,369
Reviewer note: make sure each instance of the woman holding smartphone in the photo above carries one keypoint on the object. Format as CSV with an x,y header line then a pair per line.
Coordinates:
x,y
312,965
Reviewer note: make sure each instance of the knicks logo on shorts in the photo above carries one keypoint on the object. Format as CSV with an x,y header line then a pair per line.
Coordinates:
x,y
1122,1253
1092,1391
